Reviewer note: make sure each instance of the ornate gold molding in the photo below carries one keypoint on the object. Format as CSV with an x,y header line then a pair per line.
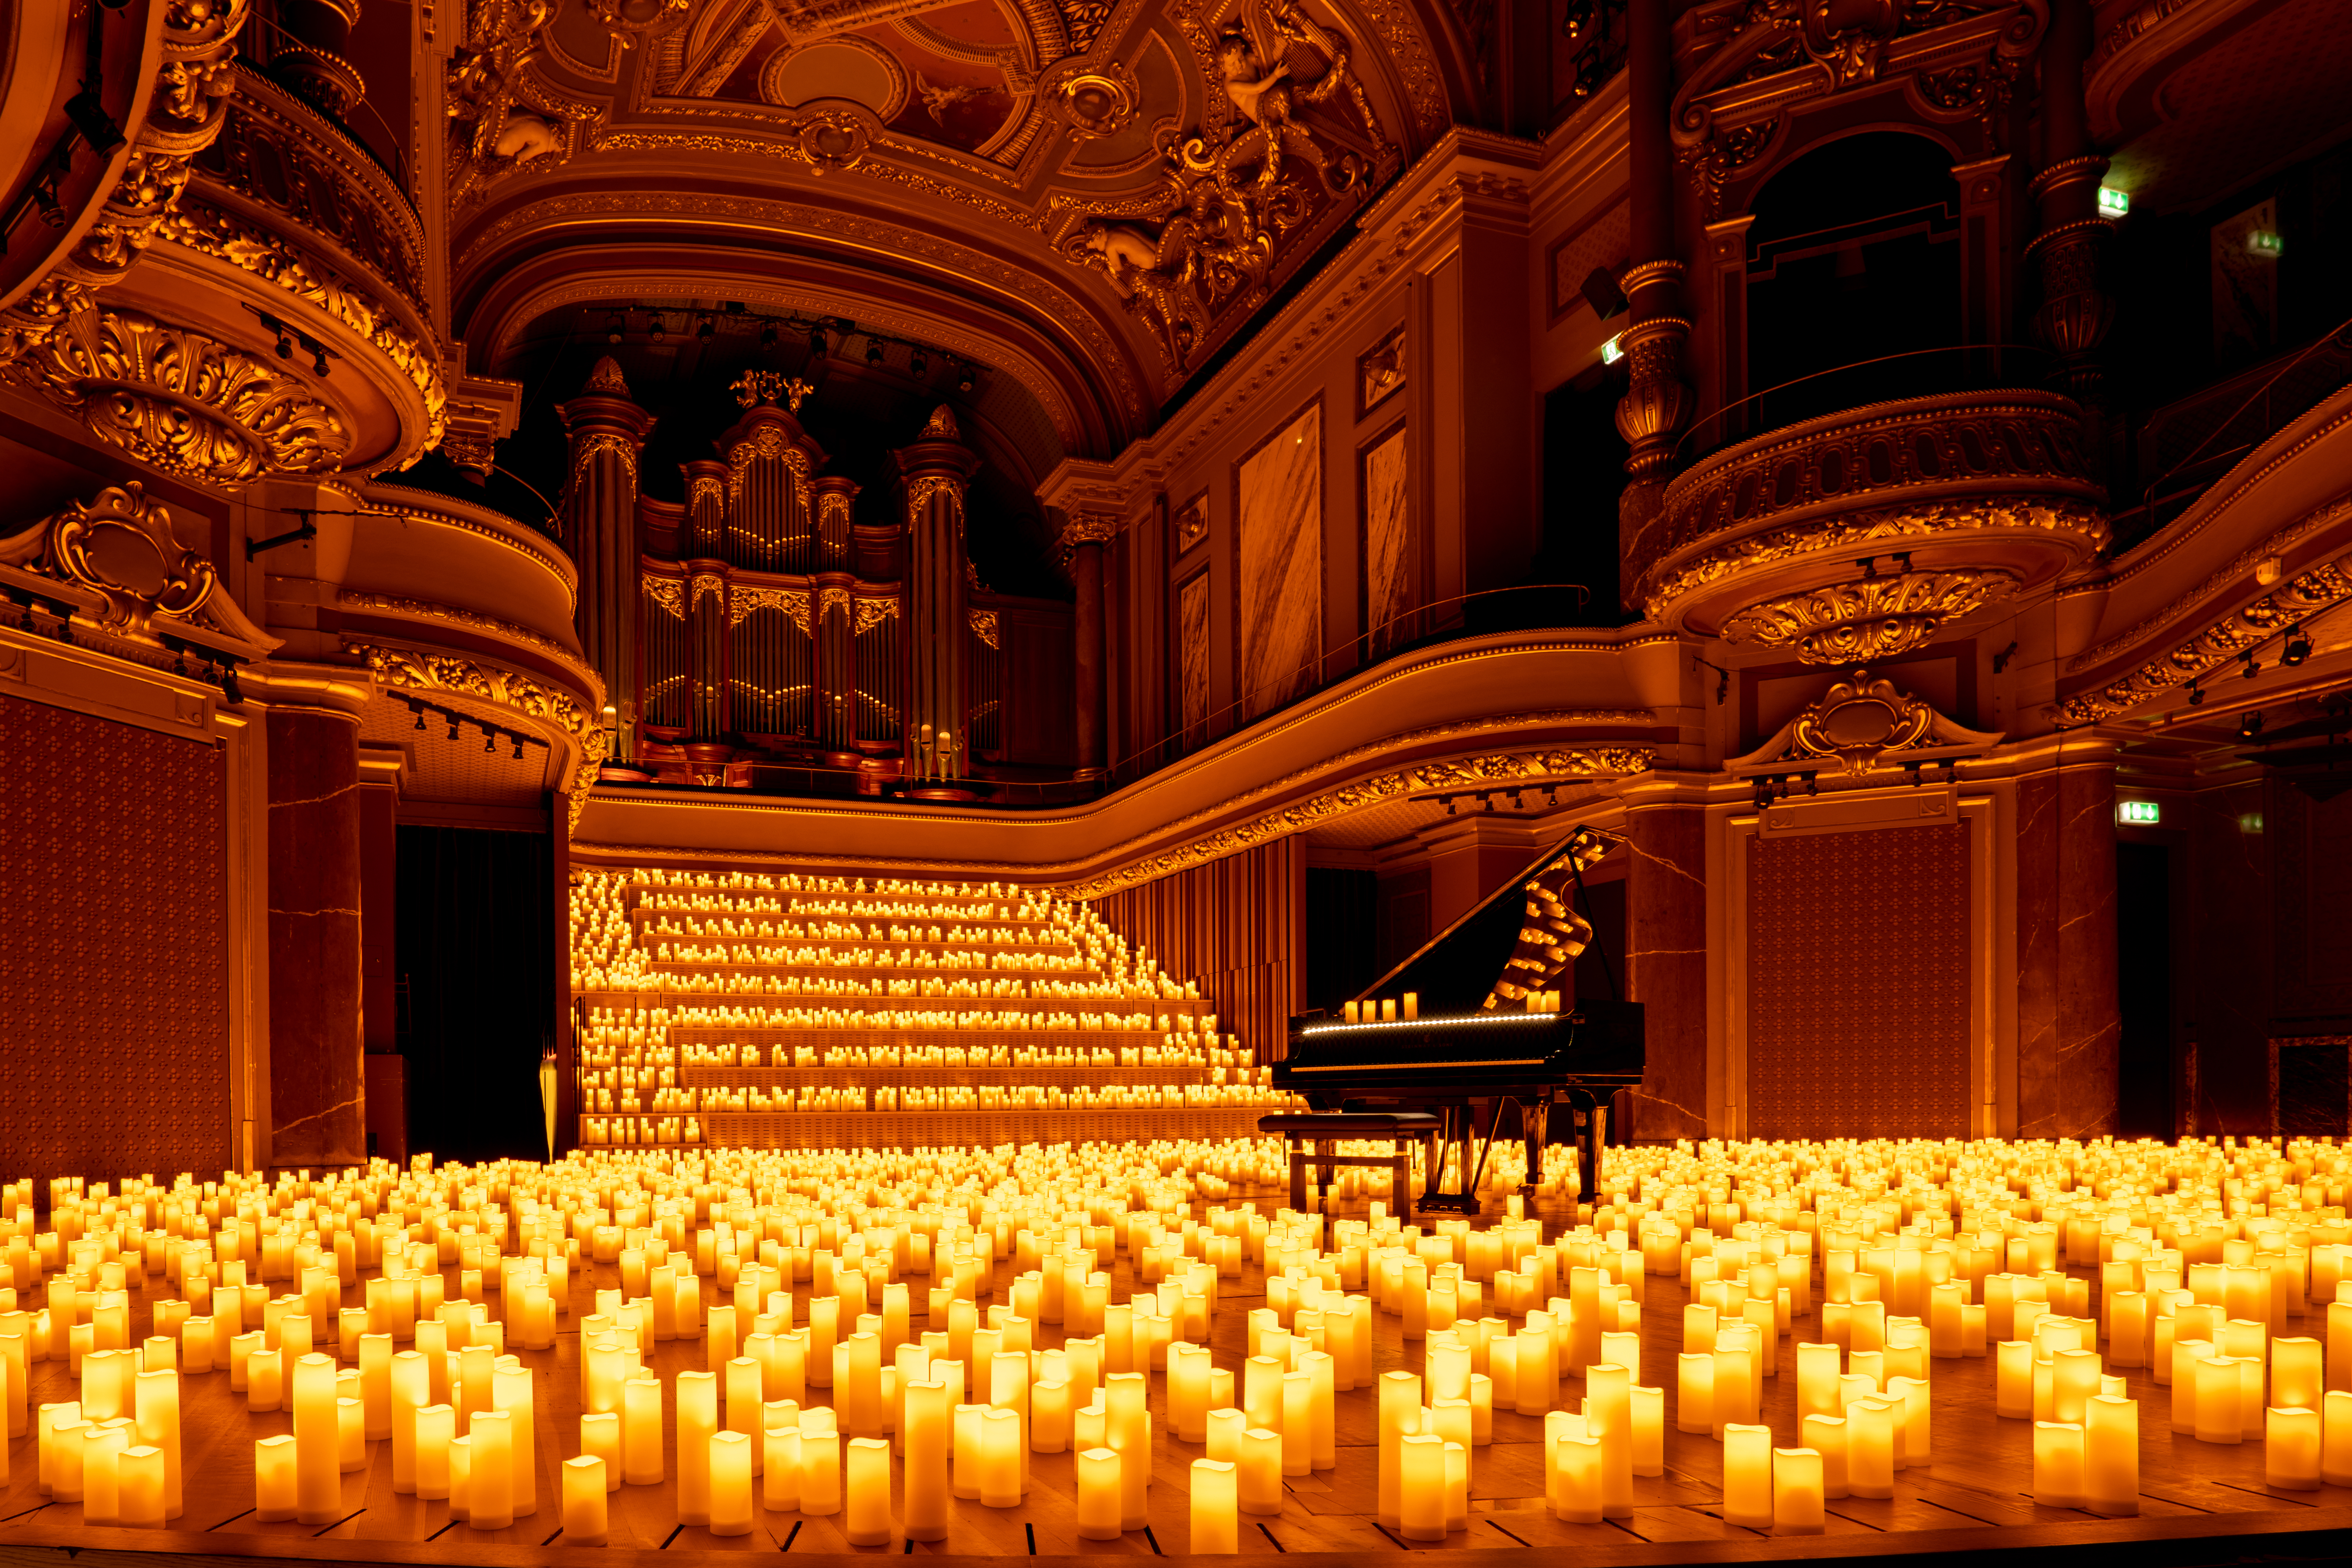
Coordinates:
x,y
1495,770
920,492
795,602
1857,529
179,401
120,544
704,585
2314,591
767,441
983,626
1089,528
190,105
449,615
669,593
1872,617
418,670
1858,721
872,613
833,598
602,441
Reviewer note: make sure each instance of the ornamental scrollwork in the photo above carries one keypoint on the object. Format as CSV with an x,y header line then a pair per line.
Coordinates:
x,y
668,592
984,627
122,544
1870,618
872,613
704,585
745,602
2225,639
497,122
834,598
177,400
920,492
602,443
755,387
767,441
1858,721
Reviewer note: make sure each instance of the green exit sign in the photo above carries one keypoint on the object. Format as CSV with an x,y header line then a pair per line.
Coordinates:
x,y
2139,812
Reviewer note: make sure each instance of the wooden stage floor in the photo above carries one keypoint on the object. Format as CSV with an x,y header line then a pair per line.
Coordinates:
x,y
1974,1496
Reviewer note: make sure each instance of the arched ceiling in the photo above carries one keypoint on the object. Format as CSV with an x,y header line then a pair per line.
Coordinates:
x,y
1087,197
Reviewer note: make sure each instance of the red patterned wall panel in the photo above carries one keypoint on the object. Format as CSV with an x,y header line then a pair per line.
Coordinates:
x,y
114,1048
1857,984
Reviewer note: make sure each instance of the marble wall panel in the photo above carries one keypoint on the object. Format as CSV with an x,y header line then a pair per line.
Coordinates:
x,y
1280,546
1387,535
1193,656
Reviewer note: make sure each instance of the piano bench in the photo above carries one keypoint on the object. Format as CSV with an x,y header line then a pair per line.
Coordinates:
x,y
1322,1129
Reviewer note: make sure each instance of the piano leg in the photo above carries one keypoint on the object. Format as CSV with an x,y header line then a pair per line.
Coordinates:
x,y
1588,1124
1298,1174
1535,1116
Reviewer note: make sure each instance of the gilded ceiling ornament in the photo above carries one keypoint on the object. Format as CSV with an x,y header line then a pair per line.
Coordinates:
x,y
122,544
983,626
184,115
630,20
501,117
872,613
1870,618
177,400
1094,101
834,140
1858,721
669,593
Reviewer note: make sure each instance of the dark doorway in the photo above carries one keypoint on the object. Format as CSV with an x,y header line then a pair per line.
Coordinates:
x,y
2144,987
1342,934
475,925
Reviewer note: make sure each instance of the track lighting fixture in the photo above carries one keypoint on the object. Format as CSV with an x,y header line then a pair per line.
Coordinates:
x,y
964,382
617,328
228,685
768,338
453,726
518,748
489,741
2298,647
917,366
285,343
817,342
708,330
420,718
2196,694
2253,665
874,352
2250,726
658,331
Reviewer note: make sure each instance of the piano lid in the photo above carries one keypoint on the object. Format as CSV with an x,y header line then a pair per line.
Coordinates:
x,y
1457,968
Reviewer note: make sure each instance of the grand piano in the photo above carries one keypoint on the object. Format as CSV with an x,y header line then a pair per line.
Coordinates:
x,y
1479,1034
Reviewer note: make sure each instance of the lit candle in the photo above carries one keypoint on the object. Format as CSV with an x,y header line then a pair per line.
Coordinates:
x,y
1870,1447
729,1461
436,1428
1188,1391
2186,1354
583,1496
1049,1417
2298,1373
1911,1418
1261,1472
140,1480
317,1441
1747,1476
641,1431
1577,1462
2219,1382
1695,1407
1609,1416
1298,1421
2057,1464
2111,1456
2291,1449
1421,1506
158,1401
1797,1497
929,1433
600,1437
1099,1495
780,1487
2013,1380
820,1463
101,1476
1215,1503
1649,1431
489,1475
273,1479
698,1418
1000,1459
1826,1436
1817,1380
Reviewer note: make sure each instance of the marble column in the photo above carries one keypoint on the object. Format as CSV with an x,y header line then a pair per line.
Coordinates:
x,y
2068,252
606,432
317,1113
2068,1027
1656,403
1084,535
1665,966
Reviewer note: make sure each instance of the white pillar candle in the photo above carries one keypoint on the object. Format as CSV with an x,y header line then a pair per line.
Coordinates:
x,y
2013,1380
1797,1506
2058,1463
102,1475
600,1437
1817,1376
928,1439
2298,1373
2218,1383
1870,1447
2186,1354
157,1396
641,1431
141,1478
1000,1459
1214,1506
2291,1448
1576,1463
1099,1495
1297,1423
317,1441
1609,1416
1049,1417
274,1485
1421,1506
698,1418
1260,1464
583,1496
820,1463
2111,1456
1747,1476
489,1475
1649,1431
1826,1436
436,1427
728,1459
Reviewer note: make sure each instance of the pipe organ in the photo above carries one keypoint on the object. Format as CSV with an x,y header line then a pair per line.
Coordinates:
x,y
772,627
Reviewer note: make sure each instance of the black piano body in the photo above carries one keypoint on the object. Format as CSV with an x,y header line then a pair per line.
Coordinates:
x,y
1477,1072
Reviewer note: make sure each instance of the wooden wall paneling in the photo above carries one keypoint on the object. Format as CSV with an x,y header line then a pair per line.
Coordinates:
x,y
1237,926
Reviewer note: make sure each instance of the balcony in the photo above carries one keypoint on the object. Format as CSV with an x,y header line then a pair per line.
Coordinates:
x,y
1855,534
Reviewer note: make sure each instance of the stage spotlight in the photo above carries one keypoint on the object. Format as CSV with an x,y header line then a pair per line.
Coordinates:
x,y
964,382
2253,665
658,331
768,338
489,741
229,686
2196,694
817,342
420,718
2298,647
917,366
2250,726
874,354
617,328
453,726
517,750
708,330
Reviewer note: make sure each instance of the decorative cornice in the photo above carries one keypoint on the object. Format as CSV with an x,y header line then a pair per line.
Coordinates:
x,y
1869,618
2221,641
490,626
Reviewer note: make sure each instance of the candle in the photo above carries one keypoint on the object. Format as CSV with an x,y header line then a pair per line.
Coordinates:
x,y
1695,1407
2186,1354
820,1463
1911,1416
2013,1380
273,1479
2298,1373
1099,1495
317,1441
1797,1497
583,1495
1577,1464
1826,1436
461,1477
1260,1467
1747,1476
158,1401
1421,1503
2291,1449
728,1460
1649,1405
698,1418
2058,1463
641,1430
2219,1382
1870,1449
1000,1459
1609,1416
1399,1417
600,1437
2074,1379
779,1462
1215,1504
1731,1401
1297,1422
1817,1378
102,1480
928,1435
1188,1391
489,1476
1127,1430
140,1478
2111,1456
436,1427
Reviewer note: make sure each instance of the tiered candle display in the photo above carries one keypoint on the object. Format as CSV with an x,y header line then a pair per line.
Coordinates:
x,y
897,1341
767,1011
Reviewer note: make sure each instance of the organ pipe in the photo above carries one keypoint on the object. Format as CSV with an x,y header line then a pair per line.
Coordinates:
x,y
606,432
934,471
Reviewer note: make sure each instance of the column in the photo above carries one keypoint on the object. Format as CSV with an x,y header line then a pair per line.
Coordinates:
x,y
606,432
1666,969
317,1115
1084,536
2075,310
2068,1025
1656,403
934,470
